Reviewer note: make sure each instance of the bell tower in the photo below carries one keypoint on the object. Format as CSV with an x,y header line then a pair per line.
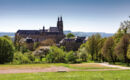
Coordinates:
x,y
60,24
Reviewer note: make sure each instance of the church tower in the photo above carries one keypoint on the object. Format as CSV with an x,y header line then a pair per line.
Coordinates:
x,y
60,24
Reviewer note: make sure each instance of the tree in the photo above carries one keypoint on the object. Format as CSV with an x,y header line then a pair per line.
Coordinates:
x,y
56,55
108,50
7,37
41,52
122,48
118,36
70,35
6,50
82,53
97,45
70,57
125,27
92,46
128,53
100,46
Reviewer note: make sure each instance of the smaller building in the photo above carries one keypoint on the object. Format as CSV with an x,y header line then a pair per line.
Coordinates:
x,y
72,43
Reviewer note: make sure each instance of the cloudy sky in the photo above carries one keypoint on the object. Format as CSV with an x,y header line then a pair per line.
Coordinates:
x,y
78,15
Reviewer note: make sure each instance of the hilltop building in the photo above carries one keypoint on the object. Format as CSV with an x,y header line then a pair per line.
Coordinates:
x,y
54,33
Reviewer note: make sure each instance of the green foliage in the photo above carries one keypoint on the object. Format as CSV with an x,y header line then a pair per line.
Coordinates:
x,y
108,50
6,50
70,35
128,52
41,52
71,57
56,55
23,48
100,45
118,36
20,58
82,53
122,48
30,56
7,37
92,46
125,26
63,48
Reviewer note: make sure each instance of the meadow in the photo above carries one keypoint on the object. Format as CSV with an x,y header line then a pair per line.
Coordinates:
x,y
82,75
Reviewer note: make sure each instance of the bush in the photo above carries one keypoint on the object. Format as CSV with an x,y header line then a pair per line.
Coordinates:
x,y
78,60
71,57
20,58
83,54
6,50
56,55
23,48
30,56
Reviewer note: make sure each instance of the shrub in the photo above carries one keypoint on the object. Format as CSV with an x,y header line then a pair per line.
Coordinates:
x,y
6,50
20,58
30,56
71,57
56,55
83,54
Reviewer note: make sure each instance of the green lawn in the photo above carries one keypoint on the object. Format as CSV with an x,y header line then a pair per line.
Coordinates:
x,y
82,66
89,75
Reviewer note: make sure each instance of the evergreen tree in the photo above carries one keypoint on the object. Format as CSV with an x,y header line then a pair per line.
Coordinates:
x,y
6,50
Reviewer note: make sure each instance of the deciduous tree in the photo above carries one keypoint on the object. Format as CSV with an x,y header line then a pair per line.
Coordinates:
x,y
108,50
122,48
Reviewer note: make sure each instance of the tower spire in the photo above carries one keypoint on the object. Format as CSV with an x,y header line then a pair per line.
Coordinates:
x,y
58,19
60,24
61,18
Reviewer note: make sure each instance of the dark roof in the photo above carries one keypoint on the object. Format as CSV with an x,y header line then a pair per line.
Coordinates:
x,y
80,39
29,40
53,29
76,39
52,33
67,40
29,32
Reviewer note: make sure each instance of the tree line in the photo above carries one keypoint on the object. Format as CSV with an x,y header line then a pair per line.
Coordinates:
x,y
111,49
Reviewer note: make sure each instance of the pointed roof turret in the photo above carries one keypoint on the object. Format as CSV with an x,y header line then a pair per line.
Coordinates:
x,y
61,18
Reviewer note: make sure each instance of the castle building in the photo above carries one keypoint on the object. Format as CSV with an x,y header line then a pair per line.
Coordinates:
x,y
54,33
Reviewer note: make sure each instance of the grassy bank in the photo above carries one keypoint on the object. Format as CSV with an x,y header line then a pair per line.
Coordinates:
x,y
92,75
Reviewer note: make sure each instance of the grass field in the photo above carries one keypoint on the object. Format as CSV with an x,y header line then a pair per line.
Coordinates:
x,y
82,66
90,75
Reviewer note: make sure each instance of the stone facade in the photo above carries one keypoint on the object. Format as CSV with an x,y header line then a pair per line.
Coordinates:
x,y
72,43
54,33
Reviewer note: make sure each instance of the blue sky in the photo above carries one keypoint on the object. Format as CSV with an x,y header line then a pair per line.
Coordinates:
x,y
78,15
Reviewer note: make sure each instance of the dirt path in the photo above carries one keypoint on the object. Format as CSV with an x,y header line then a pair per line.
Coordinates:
x,y
61,69
51,69
114,66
